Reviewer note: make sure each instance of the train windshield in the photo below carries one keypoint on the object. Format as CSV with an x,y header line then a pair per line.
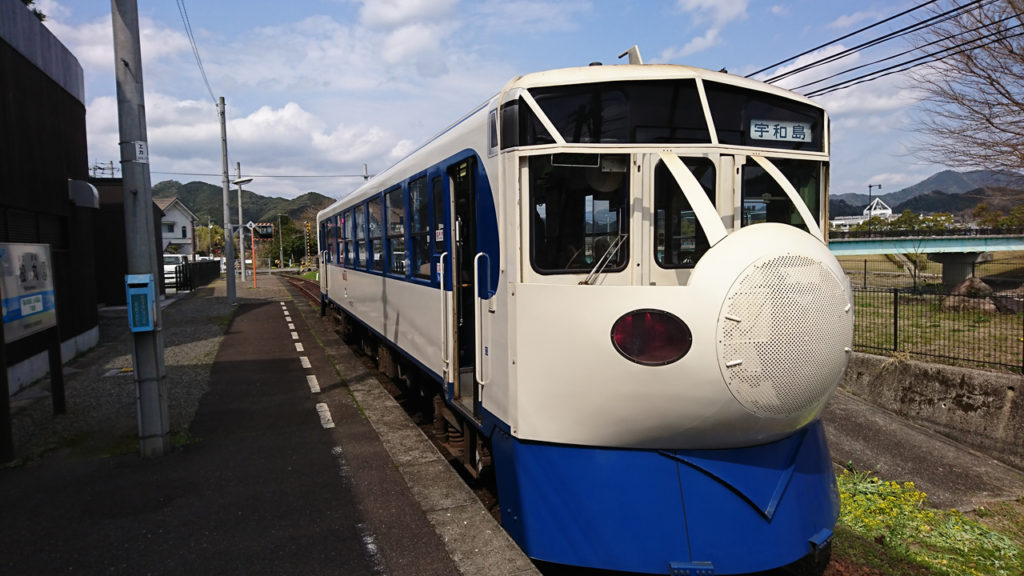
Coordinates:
x,y
679,237
765,200
578,204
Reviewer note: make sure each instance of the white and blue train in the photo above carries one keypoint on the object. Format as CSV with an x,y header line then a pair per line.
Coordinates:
x,y
617,280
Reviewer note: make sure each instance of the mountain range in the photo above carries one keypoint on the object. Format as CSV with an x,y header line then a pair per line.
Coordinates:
x,y
206,201
946,191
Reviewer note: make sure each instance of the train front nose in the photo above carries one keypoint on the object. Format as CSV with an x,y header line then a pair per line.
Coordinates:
x,y
785,327
784,334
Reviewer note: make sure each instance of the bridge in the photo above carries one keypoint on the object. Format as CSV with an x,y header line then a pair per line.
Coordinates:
x,y
956,250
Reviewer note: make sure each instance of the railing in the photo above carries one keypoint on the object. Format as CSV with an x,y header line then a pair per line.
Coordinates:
x,y
959,329
195,274
882,232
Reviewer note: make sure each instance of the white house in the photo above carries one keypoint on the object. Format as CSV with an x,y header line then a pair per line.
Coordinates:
x,y
177,226
877,209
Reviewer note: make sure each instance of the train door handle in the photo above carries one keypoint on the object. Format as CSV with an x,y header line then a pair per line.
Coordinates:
x,y
481,347
444,311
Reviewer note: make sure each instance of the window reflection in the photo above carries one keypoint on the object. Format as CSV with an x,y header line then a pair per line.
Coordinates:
x,y
577,202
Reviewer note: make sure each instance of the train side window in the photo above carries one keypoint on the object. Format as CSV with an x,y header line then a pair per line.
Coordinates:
x,y
419,228
679,238
437,192
578,203
375,223
765,201
330,240
396,232
360,223
339,236
346,220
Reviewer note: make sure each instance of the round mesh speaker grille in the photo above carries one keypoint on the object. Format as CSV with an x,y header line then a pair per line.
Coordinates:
x,y
783,335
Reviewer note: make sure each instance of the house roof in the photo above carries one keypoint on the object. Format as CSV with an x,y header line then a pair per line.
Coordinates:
x,y
166,204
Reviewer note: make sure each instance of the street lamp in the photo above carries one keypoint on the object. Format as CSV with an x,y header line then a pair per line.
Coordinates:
x,y
241,226
871,210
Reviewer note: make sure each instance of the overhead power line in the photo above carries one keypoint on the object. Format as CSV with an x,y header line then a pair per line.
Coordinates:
x,y
195,48
906,59
920,25
840,39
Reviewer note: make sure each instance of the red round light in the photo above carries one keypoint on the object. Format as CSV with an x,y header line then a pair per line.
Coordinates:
x,y
651,337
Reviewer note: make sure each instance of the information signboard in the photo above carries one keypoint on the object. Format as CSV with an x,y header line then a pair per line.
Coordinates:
x,y
26,288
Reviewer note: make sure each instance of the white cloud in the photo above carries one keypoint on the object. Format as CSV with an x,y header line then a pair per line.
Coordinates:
x,y
399,13
851,20
709,15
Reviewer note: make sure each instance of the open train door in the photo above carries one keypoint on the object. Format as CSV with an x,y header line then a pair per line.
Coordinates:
x,y
465,387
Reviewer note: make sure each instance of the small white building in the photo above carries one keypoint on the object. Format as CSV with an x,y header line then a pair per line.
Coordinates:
x,y
177,226
877,209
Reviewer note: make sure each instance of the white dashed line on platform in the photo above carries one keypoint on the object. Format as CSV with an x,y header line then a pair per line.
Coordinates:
x,y
314,386
305,362
325,415
299,347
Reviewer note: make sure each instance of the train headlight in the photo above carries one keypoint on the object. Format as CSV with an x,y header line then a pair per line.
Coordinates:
x,y
651,337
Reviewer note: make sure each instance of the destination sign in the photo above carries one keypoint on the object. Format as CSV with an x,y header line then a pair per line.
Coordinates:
x,y
780,131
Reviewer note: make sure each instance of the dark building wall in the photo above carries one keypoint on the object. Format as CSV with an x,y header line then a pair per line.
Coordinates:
x,y
110,243
43,144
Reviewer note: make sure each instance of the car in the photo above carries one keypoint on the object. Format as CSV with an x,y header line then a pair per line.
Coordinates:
x,y
171,263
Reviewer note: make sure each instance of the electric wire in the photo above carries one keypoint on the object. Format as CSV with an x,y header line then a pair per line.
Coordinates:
x,y
915,27
915,49
905,66
841,38
195,48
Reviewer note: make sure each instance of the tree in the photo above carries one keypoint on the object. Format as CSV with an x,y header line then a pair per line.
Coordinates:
x,y
204,246
972,113
38,13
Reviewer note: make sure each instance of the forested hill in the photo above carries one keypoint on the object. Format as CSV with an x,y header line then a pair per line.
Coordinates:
x,y
947,191
206,201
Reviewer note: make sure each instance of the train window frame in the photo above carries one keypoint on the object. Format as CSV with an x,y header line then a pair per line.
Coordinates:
x,y
395,234
663,111
349,240
340,258
662,180
330,240
556,245
750,170
419,228
492,133
375,233
734,111
359,222
438,240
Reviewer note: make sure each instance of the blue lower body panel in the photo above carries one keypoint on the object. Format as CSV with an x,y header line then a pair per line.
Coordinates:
x,y
739,511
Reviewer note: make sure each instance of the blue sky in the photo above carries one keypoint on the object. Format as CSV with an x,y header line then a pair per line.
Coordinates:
x,y
320,87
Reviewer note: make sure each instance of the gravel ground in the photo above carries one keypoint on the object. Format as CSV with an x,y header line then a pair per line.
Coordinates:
x,y
101,418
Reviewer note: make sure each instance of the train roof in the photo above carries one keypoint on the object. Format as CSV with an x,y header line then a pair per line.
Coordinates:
x,y
578,75
625,72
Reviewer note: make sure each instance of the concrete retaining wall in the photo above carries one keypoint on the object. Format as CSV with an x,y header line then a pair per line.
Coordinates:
x,y
982,410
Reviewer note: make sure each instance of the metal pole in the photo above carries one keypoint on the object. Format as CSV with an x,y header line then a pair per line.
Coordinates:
x,y
280,242
241,223
148,347
229,239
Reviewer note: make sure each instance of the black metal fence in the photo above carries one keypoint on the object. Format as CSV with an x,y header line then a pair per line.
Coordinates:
x,y
188,277
903,307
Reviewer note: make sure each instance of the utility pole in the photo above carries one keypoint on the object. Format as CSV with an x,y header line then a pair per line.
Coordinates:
x,y
229,244
147,346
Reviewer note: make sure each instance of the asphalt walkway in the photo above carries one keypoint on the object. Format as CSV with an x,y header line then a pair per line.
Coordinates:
x,y
290,458
281,471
